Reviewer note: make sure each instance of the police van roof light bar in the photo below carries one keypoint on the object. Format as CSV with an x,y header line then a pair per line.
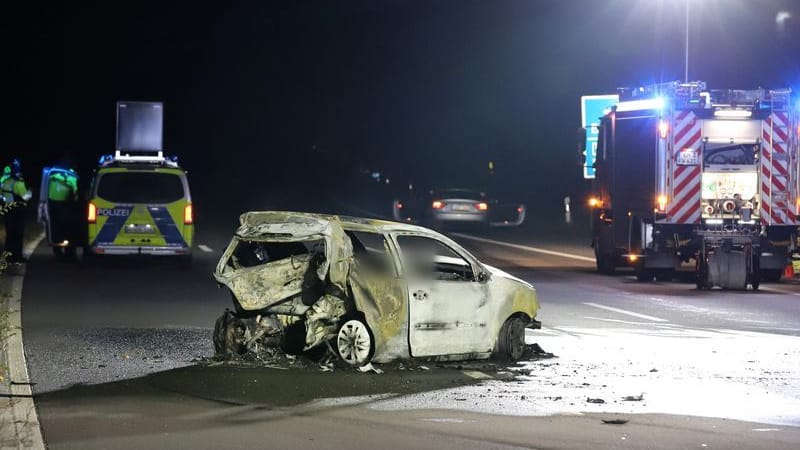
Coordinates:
x,y
133,158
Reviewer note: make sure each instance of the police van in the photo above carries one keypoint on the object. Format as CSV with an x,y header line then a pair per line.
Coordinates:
x,y
139,204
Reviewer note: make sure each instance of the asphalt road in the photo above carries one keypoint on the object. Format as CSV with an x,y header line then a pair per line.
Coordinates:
x,y
114,349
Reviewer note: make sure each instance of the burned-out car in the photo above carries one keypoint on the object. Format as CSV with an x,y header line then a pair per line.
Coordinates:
x,y
369,290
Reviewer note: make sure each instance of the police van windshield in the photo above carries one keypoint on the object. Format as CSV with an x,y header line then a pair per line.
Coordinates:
x,y
140,187
727,154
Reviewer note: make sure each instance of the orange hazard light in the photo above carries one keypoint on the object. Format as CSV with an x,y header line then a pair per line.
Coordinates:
x,y
663,129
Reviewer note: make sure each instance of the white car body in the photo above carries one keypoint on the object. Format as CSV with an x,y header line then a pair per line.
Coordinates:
x,y
442,304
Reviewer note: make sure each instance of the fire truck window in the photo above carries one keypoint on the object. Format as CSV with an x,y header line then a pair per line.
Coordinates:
x,y
730,154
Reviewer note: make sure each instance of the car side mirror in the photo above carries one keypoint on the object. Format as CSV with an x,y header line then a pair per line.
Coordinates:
x,y
483,276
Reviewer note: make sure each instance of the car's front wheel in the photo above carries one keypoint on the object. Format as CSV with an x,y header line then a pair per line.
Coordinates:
x,y
511,340
354,342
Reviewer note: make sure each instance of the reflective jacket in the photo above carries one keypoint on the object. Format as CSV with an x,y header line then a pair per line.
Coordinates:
x,y
62,187
15,190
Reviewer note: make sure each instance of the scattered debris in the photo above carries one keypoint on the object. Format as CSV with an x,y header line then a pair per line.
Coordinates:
x,y
478,375
633,398
653,370
595,400
536,351
369,368
615,421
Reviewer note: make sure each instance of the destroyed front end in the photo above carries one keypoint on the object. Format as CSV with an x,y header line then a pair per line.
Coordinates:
x,y
287,274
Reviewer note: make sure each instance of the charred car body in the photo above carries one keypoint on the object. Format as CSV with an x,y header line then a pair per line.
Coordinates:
x,y
375,290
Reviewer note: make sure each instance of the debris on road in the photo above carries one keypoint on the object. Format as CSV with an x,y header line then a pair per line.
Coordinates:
x,y
369,368
595,400
615,421
633,398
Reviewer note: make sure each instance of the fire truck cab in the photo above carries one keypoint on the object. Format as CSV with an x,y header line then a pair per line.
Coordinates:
x,y
686,173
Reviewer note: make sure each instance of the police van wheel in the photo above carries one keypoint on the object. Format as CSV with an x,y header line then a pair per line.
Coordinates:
x,y
185,261
87,254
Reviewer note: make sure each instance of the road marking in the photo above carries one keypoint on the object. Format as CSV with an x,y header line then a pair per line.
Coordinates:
x,y
780,291
205,248
25,422
626,312
526,248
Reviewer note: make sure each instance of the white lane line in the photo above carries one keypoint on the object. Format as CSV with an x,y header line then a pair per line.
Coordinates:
x,y
205,248
526,248
780,291
626,312
25,426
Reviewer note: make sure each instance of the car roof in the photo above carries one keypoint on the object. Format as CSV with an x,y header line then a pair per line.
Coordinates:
x,y
348,223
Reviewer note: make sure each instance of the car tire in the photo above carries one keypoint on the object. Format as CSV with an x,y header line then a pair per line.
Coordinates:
x,y
354,342
511,340
225,336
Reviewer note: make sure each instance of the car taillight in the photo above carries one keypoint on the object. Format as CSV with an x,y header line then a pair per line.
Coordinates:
x,y
188,215
399,205
91,215
482,206
519,209
437,204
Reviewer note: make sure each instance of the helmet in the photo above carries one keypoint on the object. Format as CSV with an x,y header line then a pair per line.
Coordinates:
x,y
16,167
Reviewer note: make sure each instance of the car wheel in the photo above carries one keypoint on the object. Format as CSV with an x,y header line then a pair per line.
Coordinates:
x,y
228,335
354,342
511,340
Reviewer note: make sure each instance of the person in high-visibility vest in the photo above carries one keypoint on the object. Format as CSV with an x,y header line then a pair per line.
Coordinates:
x,y
6,174
62,197
15,196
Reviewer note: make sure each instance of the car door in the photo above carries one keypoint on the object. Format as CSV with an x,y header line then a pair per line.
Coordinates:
x,y
447,304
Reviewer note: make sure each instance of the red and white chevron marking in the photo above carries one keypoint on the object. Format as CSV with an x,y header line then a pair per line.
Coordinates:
x,y
686,182
775,179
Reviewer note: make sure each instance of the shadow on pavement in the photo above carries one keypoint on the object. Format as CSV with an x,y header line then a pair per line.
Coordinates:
x,y
201,396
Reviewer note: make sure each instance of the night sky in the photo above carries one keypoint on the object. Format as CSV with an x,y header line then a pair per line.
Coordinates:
x,y
425,91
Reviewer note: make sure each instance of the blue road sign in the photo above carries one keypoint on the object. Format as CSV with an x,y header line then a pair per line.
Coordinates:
x,y
592,108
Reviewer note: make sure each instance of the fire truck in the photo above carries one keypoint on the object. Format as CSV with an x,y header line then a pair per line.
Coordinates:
x,y
688,174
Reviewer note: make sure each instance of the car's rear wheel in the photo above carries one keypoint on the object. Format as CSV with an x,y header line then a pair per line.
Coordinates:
x,y
511,340
354,342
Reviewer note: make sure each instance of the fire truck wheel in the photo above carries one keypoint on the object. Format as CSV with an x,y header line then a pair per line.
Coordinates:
x,y
644,275
605,263
771,275
665,275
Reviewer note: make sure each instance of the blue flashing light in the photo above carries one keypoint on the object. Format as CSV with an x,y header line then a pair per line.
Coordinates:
x,y
104,159
173,158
